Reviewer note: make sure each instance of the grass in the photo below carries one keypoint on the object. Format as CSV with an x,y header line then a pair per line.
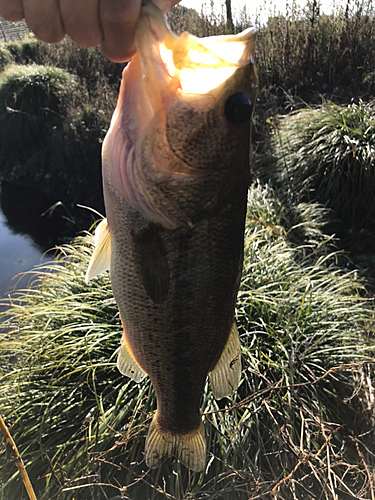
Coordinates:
x,y
24,51
326,154
33,100
56,102
298,426
5,58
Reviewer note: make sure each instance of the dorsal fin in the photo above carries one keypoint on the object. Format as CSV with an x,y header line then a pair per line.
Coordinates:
x,y
101,257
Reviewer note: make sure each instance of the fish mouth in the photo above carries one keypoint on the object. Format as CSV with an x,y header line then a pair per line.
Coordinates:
x,y
185,64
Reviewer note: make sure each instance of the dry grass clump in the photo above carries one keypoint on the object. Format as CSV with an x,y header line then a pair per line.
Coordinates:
x,y
308,52
5,58
25,51
297,426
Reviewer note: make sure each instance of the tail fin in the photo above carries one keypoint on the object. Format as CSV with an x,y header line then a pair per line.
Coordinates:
x,y
189,448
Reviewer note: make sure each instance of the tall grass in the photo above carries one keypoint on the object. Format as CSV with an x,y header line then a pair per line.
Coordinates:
x,y
292,428
327,155
318,53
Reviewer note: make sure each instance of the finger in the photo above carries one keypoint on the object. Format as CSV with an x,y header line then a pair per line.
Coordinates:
x,y
118,19
13,11
80,19
43,18
166,5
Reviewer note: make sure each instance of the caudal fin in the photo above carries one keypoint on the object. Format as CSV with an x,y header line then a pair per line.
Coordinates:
x,y
189,448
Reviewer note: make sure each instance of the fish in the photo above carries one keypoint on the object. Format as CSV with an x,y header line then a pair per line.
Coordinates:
x,y
176,172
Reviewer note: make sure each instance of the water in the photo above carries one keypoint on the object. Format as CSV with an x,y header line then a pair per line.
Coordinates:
x,y
27,231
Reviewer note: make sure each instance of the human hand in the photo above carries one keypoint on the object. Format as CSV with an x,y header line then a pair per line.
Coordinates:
x,y
87,22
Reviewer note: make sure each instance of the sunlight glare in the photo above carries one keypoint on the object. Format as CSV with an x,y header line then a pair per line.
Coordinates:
x,y
202,80
200,58
167,57
229,51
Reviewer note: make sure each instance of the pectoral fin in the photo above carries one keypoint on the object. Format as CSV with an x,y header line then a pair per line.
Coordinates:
x,y
127,364
101,257
226,375
153,264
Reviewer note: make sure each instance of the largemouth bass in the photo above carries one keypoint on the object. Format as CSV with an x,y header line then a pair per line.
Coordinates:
x,y
175,174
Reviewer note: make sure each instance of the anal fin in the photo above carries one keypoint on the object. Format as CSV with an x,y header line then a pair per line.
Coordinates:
x,y
101,257
127,364
226,375
189,448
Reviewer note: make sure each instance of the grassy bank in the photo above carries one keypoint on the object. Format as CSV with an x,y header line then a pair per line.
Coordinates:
x,y
52,132
301,424
296,425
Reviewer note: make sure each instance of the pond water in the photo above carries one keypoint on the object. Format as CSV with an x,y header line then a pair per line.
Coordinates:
x,y
27,230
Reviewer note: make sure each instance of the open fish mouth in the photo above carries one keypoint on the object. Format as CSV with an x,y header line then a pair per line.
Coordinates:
x,y
168,67
194,65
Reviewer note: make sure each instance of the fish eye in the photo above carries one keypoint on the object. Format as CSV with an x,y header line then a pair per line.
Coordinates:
x,y
238,108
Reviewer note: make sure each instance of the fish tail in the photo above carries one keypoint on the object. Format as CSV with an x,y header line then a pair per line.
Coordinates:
x,y
189,448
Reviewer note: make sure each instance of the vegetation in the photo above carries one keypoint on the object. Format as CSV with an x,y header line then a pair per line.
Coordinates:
x,y
25,51
293,426
5,58
327,155
301,424
55,107
33,100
